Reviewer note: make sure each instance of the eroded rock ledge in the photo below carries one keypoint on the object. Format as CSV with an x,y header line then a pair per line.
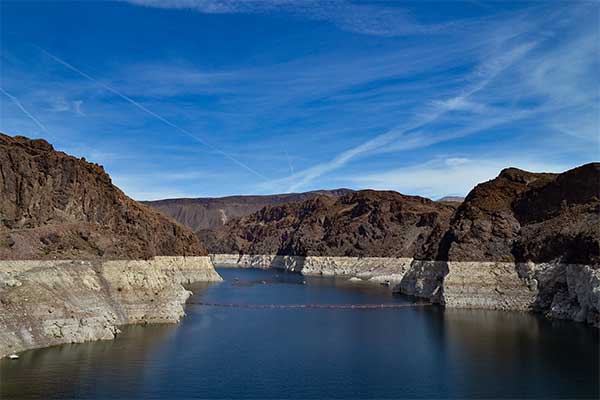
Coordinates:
x,y
559,290
49,302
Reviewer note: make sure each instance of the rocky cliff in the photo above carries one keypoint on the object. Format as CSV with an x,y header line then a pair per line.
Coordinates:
x,y
53,205
210,213
78,258
49,302
527,241
522,241
365,223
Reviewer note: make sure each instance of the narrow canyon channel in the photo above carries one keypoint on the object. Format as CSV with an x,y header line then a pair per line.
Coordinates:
x,y
317,352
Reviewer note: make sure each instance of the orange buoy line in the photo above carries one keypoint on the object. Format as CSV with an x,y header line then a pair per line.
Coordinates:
x,y
325,306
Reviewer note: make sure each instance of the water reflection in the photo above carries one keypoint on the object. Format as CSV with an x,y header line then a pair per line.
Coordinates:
x,y
67,370
263,353
525,354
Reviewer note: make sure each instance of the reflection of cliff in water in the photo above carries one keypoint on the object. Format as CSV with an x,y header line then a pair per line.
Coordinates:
x,y
426,352
490,343
66,368
108,366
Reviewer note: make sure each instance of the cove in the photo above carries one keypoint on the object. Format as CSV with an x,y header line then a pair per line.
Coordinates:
x,y
404,352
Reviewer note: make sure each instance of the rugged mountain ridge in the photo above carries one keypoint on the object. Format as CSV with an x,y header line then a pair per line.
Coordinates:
x,y
78,258
526,241
53,205
522,216
519,216
211,213
522,241
364,223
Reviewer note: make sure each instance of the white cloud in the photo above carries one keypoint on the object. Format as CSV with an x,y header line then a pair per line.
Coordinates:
x,y
532,75
160,185
484,74
77,107
61,104
453,176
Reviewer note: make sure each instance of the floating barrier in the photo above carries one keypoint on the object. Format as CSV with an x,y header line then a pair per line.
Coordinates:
x,y
313,306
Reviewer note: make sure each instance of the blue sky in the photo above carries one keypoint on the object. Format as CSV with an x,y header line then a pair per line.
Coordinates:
x,y
184,98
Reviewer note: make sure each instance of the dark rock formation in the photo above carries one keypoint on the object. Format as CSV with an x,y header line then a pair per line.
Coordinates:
x,y
545,231
210,213
522,216
53,205
362,223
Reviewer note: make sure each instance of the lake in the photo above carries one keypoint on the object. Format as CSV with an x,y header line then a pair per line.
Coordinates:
x,y
225,352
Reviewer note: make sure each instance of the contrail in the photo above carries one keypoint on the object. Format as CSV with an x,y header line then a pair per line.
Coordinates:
x,y
152,113
489,70
18,104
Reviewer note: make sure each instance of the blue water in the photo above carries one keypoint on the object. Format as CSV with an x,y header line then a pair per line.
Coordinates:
x,y
424,352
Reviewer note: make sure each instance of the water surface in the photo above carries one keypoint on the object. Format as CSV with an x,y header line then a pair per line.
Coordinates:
x,y
423,352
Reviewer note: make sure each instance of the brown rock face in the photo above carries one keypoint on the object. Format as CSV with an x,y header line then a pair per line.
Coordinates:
x,y
520,216
53,205
363,223
211,213
523,216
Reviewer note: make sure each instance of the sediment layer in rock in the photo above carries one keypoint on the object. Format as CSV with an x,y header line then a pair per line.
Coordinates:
x,y
374,269
521,241
50,302
565,291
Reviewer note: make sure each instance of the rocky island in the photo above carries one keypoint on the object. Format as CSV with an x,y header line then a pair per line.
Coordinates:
x,y
78,258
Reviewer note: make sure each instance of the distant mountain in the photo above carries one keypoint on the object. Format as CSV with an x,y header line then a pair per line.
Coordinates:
x,y
55,206
451,199
361,223
210,213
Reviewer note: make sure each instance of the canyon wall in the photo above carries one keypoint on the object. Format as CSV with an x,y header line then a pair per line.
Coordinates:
x,y
56,206
50,302
373,269
365,223
522,241
78,258
564,291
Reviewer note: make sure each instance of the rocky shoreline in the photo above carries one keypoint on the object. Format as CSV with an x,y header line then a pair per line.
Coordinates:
x,y
558,290
50,302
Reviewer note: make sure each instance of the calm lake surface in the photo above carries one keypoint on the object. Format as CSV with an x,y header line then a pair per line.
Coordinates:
x,y
423,352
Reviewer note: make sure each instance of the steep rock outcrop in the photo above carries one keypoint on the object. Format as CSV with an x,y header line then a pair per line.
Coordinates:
x,y
53,205
78,258
522,241
527,241
365,223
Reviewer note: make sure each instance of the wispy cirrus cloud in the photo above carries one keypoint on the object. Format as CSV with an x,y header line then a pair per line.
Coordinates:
x,y
310,104
450,176
482,76
375,19
526,77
